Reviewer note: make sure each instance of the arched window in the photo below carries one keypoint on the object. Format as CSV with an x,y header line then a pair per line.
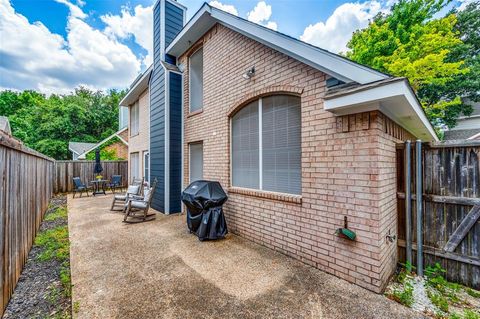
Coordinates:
x,y
266,145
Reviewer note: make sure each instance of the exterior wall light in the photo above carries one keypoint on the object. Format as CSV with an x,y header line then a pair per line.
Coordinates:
x,y
249,74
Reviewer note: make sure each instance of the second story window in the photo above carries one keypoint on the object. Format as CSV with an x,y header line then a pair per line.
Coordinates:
x,y
134,119
196,80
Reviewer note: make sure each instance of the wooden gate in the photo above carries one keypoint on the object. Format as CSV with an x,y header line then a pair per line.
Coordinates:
x,y
451,208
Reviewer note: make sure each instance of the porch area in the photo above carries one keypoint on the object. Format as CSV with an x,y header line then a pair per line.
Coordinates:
x,y
158,270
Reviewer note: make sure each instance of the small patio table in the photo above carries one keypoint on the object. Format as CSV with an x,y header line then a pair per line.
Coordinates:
x,y
99,186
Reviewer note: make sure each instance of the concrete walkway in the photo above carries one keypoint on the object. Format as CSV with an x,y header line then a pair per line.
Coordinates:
x,y
158,270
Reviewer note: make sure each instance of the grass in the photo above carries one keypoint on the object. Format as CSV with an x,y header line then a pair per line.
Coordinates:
x,y
452,300
60,212
54,244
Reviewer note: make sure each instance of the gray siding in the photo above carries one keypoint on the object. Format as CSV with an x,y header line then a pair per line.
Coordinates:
x,y
157,136
173,22
175,98
173,25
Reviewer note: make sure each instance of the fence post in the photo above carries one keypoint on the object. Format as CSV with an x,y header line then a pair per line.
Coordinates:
x,y
419,181
408,203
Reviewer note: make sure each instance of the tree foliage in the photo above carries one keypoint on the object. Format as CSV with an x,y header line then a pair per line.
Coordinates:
x,y
437,55
47,124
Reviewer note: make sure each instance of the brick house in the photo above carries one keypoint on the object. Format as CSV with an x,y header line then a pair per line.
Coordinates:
x,y
137,101
299,138
117,142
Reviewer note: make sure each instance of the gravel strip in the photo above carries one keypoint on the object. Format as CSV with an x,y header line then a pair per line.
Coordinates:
x,y
39,292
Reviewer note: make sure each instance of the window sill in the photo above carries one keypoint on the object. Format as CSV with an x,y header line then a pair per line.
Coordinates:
x,y
289,198
136,134
195,112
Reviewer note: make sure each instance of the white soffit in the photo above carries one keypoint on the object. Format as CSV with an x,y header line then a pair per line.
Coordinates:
x,y
395,99
332,64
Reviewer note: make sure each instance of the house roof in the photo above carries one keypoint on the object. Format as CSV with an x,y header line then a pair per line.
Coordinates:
x,y
393,97
5,125
328,62
79,147
139,85
95,145
462,134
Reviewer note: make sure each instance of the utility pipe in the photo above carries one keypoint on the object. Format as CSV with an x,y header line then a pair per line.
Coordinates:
x,y
408,203
419,181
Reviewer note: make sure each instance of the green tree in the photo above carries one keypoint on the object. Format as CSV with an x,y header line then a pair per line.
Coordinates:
x,y
409,42
47,124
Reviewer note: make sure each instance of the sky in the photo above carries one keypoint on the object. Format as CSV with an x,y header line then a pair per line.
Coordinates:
x,y
54,46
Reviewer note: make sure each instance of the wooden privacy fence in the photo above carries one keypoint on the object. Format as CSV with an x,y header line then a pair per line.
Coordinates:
x,y
66,170
451,208
26,187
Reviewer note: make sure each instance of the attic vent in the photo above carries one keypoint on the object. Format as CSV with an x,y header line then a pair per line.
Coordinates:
x,y
333,82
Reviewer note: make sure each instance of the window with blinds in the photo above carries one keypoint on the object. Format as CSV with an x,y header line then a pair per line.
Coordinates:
x,y
134,166
196,161
196,80
245,147
266,145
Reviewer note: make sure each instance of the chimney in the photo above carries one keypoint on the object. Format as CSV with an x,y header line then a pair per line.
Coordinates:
x,y
168,19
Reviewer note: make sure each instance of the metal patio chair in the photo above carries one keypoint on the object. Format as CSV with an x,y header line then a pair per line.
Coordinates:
x,y
136,208
115,183
79,187
119,200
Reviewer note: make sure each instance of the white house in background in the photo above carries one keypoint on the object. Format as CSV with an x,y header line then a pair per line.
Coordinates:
x,y
5,125
468,127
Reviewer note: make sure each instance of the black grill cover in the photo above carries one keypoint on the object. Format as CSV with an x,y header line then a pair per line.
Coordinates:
x,y
204,200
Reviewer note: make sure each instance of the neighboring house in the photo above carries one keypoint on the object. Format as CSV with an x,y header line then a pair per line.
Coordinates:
x,y
78,148
5,125
467,128
118,142
137,102
299,138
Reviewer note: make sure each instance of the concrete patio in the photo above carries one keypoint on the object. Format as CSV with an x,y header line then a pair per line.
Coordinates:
x,y
158,270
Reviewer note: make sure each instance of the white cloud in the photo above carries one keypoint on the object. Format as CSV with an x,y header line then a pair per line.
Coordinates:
x,y
225,7
336,31
75,11
32,57
272,25
139,25
261,14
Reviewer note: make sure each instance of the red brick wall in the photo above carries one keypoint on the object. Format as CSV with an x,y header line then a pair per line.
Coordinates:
x,y
346,170
120,149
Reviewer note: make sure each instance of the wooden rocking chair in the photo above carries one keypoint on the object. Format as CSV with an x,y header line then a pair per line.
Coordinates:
x,y
119,200
136,210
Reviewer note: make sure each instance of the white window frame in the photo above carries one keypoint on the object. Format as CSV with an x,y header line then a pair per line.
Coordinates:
x,y
190,81
135,119
190,159
146,170
132,173
260,146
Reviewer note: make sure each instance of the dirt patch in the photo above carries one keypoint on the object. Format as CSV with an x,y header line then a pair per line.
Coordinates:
x,y
40,292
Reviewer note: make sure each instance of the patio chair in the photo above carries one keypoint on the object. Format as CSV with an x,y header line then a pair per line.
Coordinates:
x,y
115,183
119,200
79,187
136,208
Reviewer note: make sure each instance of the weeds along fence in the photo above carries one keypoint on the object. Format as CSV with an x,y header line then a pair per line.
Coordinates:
x,y
66,170
26,186
450,204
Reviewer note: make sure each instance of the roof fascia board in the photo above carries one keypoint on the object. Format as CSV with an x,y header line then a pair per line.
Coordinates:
x,y
132,92
332,64
365,98
474,137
